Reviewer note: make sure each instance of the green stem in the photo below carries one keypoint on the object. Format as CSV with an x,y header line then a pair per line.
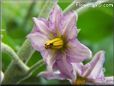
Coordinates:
x,y
89,5
36,66
18,69
71,7
45,11
8,50
25,51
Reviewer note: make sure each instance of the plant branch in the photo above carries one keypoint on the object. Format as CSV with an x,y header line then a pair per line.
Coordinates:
x,y
8,50
36,66
90,5
71,7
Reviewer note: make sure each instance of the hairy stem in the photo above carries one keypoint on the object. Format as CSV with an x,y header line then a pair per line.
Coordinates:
x,y
71,7
19,66
25,51
8,50
36,66
90,5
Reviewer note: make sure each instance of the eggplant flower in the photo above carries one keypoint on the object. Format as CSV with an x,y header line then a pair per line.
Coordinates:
x,y
92,72
56,40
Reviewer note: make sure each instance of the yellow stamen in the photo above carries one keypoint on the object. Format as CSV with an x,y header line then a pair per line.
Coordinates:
x,y
55,43
80,81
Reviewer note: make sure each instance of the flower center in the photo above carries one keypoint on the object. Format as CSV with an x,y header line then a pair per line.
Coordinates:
x,y
55,43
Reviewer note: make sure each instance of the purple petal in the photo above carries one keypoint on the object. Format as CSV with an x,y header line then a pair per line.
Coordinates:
x,y
38,40
77,52
36,29
41,26
94,68
64,65
55,18
109,80
69,25
106,81
78,67
52,75
101,75
49,58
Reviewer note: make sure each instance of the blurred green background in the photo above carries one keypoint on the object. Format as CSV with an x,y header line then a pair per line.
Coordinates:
x,y
95,24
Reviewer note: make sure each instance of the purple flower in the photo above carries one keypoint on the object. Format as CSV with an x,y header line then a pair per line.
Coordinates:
x,y
92,72
56,40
